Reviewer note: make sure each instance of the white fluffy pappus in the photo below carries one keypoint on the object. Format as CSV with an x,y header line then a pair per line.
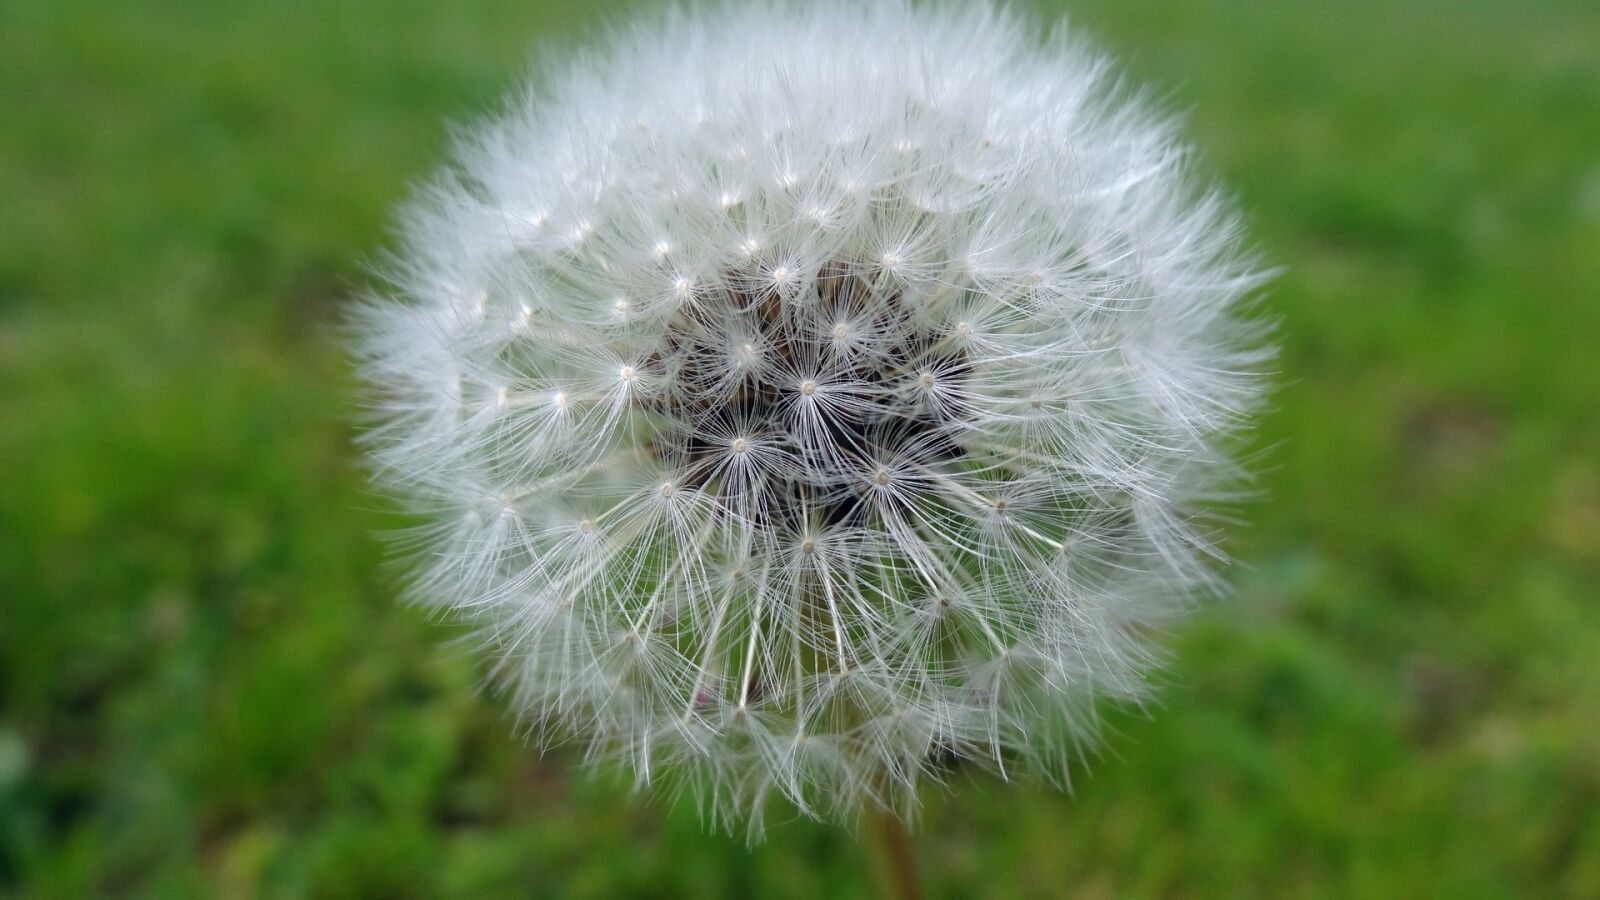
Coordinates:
x,y
805,398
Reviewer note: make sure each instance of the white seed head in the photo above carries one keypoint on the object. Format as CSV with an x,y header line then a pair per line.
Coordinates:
x,y
960,461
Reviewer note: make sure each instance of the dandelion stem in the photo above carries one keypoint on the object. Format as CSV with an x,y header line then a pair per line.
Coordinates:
x,y
891,850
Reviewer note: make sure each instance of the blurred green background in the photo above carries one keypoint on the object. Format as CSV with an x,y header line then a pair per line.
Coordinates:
x,y
206,685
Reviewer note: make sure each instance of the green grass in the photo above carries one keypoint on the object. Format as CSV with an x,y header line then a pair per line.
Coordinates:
x,y
207,689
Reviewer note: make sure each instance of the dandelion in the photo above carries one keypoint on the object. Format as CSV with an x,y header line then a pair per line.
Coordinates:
x,y
804,398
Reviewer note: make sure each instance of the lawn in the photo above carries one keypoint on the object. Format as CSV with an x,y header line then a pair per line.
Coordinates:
x,y
208,689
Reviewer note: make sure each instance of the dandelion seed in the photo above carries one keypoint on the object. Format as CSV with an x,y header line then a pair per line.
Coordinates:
x,y
877,392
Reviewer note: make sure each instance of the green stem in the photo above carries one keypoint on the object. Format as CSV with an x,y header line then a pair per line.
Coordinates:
x,y
897,867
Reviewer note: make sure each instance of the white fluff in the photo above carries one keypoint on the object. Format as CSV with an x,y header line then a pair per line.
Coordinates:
x,y
804,398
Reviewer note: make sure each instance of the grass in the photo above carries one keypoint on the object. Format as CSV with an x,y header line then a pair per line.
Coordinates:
x,y
207,689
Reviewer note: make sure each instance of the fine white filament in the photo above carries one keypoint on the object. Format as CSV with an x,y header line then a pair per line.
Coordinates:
x,y
805,398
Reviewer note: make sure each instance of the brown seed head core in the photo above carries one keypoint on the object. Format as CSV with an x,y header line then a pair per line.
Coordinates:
x,y
788,355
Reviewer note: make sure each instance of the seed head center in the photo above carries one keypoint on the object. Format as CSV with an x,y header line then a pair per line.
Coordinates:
x,y
832,415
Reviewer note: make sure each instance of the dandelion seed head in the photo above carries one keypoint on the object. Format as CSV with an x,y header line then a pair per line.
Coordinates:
x,y
870,386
